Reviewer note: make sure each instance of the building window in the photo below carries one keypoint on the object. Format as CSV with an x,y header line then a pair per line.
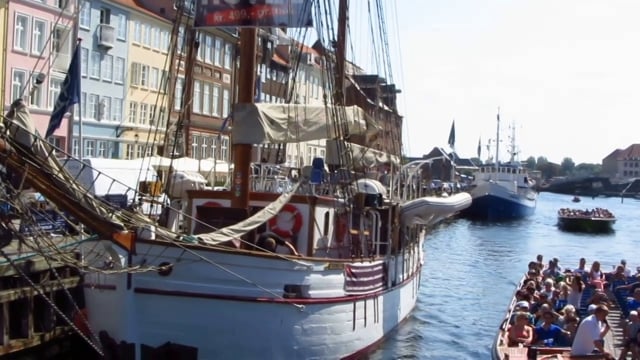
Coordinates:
x,y
133,113
178,94
18,83
107,67
118,70
206,99
194,147
228,53
89,148
105,16
225,103
144,75
38,36
102,149
139,151
105,108
197,108
217,56
224,148
60,44
95,65
54,90
83,104
208,55
153,80
129,151
143,113
74,147
93,107
137,31
122,27
117,110
62,4
156,38
216,100
20,37
146,35
84,55
35,92
85,15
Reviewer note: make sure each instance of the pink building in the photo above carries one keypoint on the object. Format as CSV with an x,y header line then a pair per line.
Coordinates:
x,y
40,41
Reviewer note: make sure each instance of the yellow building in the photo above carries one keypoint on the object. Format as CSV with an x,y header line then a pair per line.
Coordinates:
x,y
145,105
4,4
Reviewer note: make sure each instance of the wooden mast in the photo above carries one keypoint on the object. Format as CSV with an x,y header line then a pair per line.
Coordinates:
x,y
246,92
341,52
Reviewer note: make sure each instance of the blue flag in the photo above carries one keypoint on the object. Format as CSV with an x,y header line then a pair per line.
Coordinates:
x,y
452,134
69,93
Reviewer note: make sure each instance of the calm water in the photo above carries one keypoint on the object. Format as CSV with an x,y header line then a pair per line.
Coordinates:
x,y
472,269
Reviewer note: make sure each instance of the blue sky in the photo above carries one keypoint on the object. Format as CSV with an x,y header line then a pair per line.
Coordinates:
x,y
565,72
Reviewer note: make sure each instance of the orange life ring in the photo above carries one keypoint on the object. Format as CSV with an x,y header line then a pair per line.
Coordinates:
x,y
341,228
294,217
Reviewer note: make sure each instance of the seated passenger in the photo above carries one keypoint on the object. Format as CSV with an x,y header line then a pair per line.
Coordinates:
x,y
548,333
521,332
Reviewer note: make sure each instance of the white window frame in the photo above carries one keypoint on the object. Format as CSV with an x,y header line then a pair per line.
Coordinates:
x,y
21,41
106,68
94,72
85,15
132,116
55,85
105,108
93,108
119,65
84,61
116,112
38,45
197,97
122,27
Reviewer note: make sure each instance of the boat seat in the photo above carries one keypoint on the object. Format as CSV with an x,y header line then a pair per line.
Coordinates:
x,y
515,353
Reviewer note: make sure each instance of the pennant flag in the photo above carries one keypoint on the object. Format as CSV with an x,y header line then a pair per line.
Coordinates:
x,y
452,134
479,146
69,93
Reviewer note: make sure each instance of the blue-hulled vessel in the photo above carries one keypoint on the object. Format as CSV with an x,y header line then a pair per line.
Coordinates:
x,y
502,191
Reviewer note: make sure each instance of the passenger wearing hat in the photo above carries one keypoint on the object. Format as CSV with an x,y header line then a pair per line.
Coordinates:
x,y
521,307
590,333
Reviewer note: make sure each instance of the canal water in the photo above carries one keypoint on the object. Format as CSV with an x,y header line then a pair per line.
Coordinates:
x,y
472,268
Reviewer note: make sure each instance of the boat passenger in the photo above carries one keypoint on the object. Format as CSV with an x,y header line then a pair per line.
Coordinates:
x,y
630,336
590,333
596,277
627,271
521,332
551,271
549,290
548,330
581,268
576,287
522,307
633,302
540,262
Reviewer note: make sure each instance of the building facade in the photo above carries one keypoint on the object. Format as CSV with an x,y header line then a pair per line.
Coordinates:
x,y
622,164
3,49
102,26
142,129
39,43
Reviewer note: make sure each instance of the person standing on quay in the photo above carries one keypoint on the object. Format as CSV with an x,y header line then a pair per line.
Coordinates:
x,y
590,334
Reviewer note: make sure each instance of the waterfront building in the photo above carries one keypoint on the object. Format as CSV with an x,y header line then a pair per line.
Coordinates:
x,y
198,120
102,26
622,164
3,49
142,128
39,44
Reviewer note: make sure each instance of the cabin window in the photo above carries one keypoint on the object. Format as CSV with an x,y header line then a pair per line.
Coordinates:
x,y
325,227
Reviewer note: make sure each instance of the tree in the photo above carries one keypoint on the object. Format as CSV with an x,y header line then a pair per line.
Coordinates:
x,y
567,166
531,163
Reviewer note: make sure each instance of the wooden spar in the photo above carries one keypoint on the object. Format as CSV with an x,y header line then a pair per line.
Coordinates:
x,y
45,183
343,18
246,93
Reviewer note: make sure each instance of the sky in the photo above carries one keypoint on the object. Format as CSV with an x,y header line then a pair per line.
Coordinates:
x,y
565,74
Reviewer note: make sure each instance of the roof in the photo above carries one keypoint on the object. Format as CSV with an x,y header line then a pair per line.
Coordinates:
x,y
134,5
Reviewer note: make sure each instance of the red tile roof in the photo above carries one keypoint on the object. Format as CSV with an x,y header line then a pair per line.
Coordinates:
x,y
631,152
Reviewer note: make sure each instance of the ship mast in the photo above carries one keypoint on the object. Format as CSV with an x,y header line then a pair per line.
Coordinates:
x,y
343,13
246,93
498,140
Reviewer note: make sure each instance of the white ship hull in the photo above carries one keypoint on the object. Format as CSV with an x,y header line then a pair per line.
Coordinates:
x,y
238,309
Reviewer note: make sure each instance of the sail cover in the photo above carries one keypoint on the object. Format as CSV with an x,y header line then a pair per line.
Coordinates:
x,y
361,155
288,123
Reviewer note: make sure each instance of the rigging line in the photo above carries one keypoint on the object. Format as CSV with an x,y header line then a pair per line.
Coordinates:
x,y
68,294
49,39
51,303
405,123
228,271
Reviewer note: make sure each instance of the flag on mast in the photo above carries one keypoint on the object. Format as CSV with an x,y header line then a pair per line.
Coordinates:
x,y
479,146
452,134
69,93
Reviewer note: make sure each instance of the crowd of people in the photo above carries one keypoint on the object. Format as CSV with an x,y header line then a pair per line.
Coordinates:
x,y
568,308
598,213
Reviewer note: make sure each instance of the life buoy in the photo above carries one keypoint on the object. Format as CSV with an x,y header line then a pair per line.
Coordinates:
x,y
341,228
287,222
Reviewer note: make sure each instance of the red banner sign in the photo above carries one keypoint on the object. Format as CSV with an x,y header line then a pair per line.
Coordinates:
x,y
260,13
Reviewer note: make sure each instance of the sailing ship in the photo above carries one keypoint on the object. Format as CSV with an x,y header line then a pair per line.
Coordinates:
x,y
325,269
502,190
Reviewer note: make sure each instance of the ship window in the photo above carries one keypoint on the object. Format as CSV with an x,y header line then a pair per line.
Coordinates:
x,y
325,227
